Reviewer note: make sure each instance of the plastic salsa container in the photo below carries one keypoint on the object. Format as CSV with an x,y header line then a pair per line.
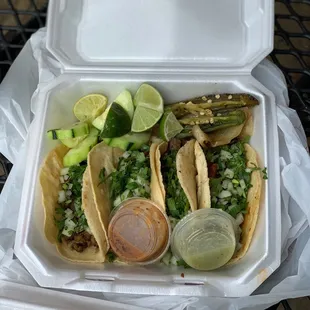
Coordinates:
x,y
139,232
205,239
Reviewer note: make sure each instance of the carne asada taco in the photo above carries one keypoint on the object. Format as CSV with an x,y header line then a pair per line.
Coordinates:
x,y
71,218
174,177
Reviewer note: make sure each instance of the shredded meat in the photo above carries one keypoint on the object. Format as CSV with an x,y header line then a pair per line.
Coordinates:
x,y
79,242
175,144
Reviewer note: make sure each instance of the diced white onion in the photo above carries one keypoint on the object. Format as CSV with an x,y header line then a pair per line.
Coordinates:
x,y
61,196
242,184
147,188
66,177
225,155
230,186
166,258
173,260
239,219
225,183
68,193
70,186
239,246
126,155
230,207
64,171
69,227
240,191
69,214
223,202
224,194
117,201
61,179
229,173
248,170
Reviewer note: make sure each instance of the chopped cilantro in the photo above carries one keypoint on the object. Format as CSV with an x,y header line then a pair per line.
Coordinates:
x,y
74,204
76,176
111,256
176,200
132,176
181,262
102,177
233,158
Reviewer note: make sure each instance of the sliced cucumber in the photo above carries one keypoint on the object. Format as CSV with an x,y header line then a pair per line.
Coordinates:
x,y
125,100
79,129
107,140
131,141
80,152
73,142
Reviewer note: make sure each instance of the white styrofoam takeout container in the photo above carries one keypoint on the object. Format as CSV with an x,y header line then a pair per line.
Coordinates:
x,y
17,296
184,49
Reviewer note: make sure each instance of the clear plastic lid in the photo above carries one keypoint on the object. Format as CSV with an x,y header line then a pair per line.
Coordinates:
x,y
205,239
166,35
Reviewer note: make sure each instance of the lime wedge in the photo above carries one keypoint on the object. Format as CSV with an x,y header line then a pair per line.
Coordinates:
x,y
149,108
125,100
169,126
115,122
89,107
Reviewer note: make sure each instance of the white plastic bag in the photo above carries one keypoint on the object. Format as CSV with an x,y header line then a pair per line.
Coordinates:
x,y
35,66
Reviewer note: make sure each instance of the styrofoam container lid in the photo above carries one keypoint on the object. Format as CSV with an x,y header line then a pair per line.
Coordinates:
x,y
197,35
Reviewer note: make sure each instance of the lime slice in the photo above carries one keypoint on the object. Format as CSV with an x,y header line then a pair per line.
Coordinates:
x,y
115,122
125,100
149,108
89,107
169,126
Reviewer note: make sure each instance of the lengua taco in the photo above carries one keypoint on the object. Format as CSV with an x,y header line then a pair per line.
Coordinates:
x,y
71,215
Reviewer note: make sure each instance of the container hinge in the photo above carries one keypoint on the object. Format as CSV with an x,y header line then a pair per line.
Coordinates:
x,y
99,278
190,283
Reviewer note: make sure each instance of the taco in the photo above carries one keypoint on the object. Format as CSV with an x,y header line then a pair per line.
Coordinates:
x,y
131,176
235,187
173,181
71,217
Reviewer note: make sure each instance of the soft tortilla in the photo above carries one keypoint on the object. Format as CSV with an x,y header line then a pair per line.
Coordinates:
x,y
158,193
50,185
203,188
253,199
102,156
186,171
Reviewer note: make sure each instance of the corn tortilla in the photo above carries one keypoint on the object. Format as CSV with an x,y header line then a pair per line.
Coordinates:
x,y
253,199
50,186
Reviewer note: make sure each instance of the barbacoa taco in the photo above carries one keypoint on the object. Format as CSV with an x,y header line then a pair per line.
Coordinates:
x,y
235,186
173,182
71,216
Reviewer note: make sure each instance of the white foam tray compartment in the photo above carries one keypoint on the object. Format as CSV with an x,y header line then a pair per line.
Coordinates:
x,y
49,270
